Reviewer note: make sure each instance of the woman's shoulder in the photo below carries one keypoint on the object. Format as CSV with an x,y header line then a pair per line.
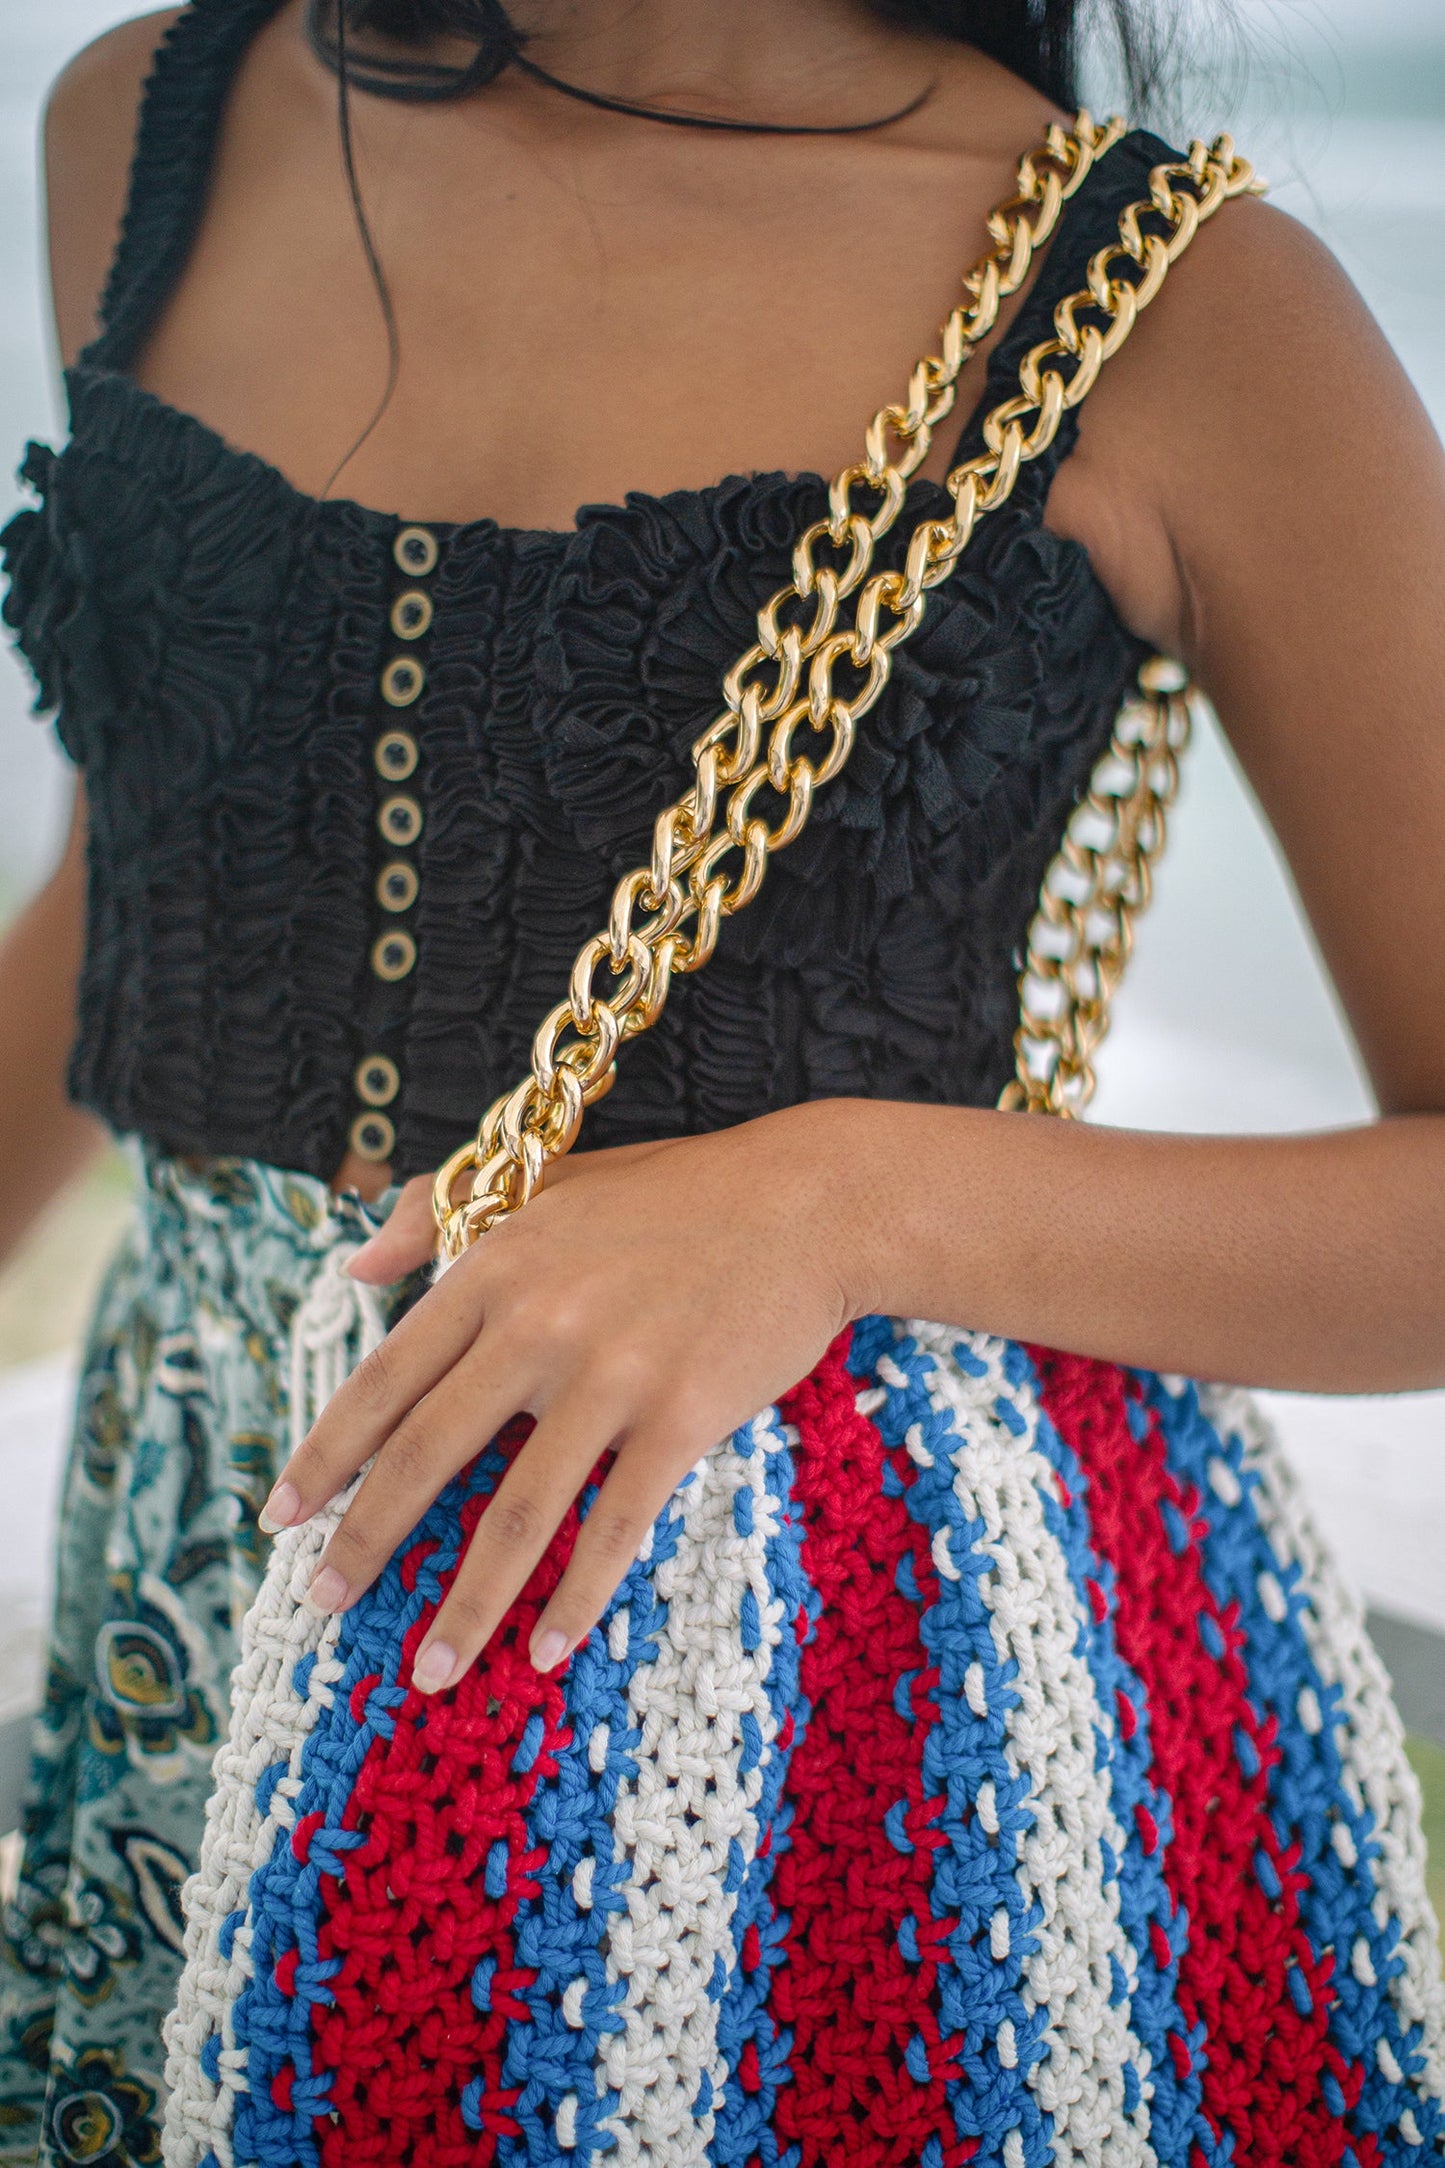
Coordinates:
x,y
1257,302
90,128
1253,371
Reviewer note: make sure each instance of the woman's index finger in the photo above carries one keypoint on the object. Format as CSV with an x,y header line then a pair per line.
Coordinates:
x,y
385,1385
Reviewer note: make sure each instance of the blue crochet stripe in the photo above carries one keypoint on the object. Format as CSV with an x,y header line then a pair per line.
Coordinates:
x,y
285,1906
1308,1794
743,2131
562,1940
1176,2116
973,1879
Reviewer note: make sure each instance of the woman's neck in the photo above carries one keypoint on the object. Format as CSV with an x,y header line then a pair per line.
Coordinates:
x,y
816,61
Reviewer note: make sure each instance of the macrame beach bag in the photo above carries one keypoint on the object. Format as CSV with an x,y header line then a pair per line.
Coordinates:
x,y
980,1763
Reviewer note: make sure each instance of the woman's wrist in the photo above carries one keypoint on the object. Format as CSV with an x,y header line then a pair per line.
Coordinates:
x,y
855,1173
1309,1263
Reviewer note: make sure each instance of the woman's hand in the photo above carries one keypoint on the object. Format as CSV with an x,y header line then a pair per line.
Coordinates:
x,y
653,1299
646,1304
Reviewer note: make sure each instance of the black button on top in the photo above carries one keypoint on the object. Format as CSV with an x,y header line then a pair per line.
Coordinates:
x,y
402,681
393,956
411,614
378,1080
415,550
395,755
396,886
373,1137
400,818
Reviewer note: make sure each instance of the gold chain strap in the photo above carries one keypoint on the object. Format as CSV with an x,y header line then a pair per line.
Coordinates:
x,y
1099,881
710,849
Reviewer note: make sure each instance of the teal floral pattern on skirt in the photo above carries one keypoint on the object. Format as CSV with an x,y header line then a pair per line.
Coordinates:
x,y
181,1424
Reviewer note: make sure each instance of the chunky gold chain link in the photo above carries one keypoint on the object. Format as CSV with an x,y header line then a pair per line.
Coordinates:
x,y
748,797
1100,879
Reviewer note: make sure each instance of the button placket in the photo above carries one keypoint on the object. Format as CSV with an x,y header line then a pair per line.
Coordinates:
x,y
395,757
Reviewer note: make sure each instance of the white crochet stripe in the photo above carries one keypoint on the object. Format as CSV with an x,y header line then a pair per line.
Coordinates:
x,y
1371,1740
680,1818
336,1322
1001,1479
269,1723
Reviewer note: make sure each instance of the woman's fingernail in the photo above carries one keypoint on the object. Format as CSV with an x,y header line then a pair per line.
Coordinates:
x,y
433,1667
327,1591
549,1649
280,1509
360,1258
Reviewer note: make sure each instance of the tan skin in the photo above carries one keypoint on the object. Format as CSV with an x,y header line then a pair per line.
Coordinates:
x,y
1260,493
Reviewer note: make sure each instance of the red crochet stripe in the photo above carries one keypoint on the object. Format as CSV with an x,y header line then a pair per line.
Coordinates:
x,y
1264,2057
411,1916
852,1999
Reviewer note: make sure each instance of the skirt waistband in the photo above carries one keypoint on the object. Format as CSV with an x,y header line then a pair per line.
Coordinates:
x,y
192,1209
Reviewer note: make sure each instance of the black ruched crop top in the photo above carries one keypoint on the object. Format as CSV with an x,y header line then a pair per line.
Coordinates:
x,y
359,788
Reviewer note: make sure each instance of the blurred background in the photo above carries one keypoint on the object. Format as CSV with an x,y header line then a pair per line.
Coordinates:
x,y
1226,1022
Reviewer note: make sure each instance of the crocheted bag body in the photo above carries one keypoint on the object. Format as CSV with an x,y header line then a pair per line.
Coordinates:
x,y
981,1764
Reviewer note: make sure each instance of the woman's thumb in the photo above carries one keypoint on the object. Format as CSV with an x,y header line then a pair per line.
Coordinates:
x,y
405,1242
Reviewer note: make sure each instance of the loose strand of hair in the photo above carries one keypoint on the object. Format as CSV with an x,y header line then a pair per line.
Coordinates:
x,y
368,248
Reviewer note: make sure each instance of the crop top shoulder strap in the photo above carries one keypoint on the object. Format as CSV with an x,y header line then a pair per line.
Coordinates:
x,y
180,116
1089,222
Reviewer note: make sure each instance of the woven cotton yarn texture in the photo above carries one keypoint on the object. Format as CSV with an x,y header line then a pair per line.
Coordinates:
x,y
982,1764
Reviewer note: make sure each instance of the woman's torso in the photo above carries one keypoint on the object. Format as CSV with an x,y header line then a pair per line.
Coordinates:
x,y
217,641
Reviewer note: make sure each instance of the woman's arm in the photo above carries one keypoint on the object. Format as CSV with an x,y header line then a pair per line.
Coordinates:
x,y
1262,493
44,1140
90,123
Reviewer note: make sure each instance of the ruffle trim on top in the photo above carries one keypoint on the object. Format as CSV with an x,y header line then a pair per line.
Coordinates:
x,y
42,589
879,953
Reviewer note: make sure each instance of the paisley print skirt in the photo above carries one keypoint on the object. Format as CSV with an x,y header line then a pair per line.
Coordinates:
x,y
180,1426
981,1764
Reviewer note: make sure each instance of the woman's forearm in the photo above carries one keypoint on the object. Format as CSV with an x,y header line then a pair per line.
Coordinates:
x,y
1308,1262
44,1140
